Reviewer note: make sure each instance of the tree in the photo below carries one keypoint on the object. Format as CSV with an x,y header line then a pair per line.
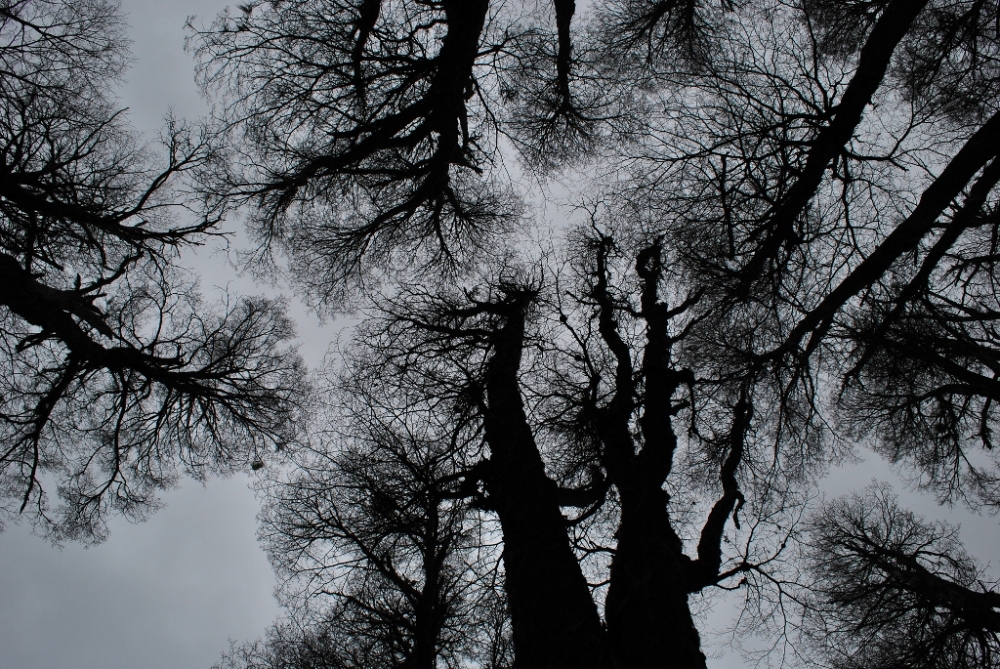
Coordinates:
x,y
788,246
384,562
114,372
893,590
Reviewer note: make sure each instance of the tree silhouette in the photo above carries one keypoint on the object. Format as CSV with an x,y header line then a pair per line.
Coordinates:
x,y
114,373
385,561
893,590
786,246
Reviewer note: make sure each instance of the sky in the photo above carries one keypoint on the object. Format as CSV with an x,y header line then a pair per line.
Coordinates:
x,y
171,592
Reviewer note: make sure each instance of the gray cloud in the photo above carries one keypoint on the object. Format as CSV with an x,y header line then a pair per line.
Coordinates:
x,y
164,594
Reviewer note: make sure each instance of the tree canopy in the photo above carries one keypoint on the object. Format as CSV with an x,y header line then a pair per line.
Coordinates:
x,y
783,246
549,436
114,372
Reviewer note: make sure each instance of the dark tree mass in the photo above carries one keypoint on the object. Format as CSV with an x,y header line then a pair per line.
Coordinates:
x,y
551,439
785,246
114,373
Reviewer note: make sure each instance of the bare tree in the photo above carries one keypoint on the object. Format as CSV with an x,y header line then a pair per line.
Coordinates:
x,y
368,136
289,646
114,373
575,401
384,561
365,130
794,250
892,590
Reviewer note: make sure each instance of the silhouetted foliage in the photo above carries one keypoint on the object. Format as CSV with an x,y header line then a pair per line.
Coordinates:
x,y
360,144
113,372
384,561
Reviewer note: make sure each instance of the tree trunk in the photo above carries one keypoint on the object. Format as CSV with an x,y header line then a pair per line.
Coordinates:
x,y
554,618
649,620
428,619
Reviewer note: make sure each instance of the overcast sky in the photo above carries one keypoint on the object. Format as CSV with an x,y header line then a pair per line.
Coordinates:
x,y
169,593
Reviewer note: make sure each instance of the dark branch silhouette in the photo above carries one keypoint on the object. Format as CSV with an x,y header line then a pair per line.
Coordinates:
x,y
114,373
894,590
786,246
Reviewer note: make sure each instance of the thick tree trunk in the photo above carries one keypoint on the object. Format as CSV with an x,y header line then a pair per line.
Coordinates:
x,y
426,634
428,619
554,618
649,620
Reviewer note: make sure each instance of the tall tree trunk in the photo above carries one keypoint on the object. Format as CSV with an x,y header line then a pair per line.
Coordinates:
x,y
554,618
648,617
649,620
428,619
